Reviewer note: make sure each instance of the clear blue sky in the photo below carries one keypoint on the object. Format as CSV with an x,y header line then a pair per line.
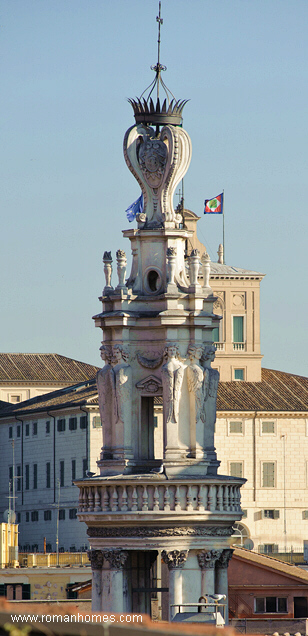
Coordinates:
x,y
67,68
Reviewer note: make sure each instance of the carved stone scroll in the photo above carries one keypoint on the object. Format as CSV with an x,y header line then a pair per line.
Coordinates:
x,y
115,558
175,558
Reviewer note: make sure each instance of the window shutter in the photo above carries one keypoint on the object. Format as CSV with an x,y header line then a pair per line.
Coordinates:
x,y
238,329
268,427
276,514
236,469
268,476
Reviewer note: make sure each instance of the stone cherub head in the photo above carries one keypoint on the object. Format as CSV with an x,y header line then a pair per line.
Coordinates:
x,y
120,353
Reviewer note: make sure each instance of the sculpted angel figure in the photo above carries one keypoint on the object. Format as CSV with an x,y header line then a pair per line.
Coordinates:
x,y
105,381
195,380
172,378
123,382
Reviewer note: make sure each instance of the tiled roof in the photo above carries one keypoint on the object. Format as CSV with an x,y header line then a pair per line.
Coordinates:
x,y
43,368
227,270
77,395
272,563
277,391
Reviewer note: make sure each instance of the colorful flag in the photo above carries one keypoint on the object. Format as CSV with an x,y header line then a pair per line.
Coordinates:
x,y
135,208
214,206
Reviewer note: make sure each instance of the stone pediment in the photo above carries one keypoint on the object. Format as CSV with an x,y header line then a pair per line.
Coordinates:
x,y
150,384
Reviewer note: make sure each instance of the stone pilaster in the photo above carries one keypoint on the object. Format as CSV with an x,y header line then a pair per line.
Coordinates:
x,y
175,559
207,560
115,599
221,582
97,560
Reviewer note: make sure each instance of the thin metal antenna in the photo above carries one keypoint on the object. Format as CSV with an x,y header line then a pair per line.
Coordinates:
x,y
158,67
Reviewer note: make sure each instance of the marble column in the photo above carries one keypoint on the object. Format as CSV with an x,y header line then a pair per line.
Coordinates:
x,y
207,560
175,560
115,599
221,583
97,559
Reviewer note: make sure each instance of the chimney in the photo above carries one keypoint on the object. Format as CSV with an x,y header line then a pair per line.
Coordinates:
x,y
220,254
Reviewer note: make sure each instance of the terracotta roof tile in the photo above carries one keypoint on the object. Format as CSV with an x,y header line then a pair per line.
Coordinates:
x,y
277,391
43,367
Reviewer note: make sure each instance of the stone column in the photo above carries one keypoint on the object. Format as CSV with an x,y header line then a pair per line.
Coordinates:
x,y
97,559
115,599
221,583
175,561
206,560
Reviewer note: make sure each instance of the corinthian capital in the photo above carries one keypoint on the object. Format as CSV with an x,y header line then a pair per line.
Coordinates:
x,y
207,558
224,559
116,558
97,559
175,558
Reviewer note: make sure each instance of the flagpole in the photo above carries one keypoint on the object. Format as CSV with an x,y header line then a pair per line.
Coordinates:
x,y
223,225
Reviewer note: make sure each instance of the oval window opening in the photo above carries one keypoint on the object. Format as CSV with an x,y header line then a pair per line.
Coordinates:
x,y
153,280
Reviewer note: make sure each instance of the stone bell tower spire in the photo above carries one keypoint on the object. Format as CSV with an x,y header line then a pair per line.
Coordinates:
x,y
158,498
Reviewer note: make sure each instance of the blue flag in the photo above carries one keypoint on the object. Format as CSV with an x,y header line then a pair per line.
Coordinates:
x,y
135,208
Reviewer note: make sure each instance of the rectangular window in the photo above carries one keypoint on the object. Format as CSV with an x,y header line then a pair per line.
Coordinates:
x,y
238,374
236,427
270,605
236,469
83,421
271,514
35,476
72,423
238,328
62,473
268,428
96,421
268,548
62,515
18,517
15,399
73,513
27,430
47,429
27,476
10,432
34,428
84,467
268,475
215,334
73,469
27,516
18,480
61,425
34,515
48,480
47,515
18,431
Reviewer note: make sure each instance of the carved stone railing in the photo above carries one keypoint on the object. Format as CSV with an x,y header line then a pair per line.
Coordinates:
x,y
239,346
131,497
219,346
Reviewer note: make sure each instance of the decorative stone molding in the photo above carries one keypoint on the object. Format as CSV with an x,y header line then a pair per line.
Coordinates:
x,y
224,559
208,558
116,558
238,300
183,531
151,384
97,559
149,364
175,558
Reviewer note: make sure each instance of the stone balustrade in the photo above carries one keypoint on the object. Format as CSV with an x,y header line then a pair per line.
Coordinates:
x,y
144,497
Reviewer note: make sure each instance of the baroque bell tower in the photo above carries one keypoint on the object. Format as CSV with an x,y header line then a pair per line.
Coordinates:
x,y
158,505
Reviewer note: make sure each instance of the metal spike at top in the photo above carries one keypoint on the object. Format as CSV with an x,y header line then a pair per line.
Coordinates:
x,y
145,111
